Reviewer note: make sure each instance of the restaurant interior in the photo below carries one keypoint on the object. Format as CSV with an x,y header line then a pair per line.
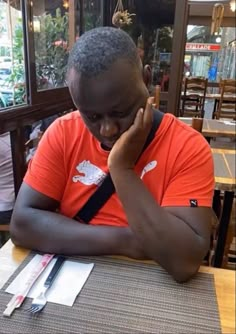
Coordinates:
x,y
191,49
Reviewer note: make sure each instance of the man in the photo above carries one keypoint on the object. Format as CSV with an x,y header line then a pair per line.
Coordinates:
x,y
162,206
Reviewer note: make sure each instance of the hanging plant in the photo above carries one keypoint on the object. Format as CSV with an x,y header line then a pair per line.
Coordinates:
x,y
121,17
217,17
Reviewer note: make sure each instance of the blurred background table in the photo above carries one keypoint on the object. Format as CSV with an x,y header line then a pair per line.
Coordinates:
x,y
213,128
225,183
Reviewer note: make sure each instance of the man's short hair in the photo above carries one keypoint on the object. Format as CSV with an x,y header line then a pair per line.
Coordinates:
x,y
96,50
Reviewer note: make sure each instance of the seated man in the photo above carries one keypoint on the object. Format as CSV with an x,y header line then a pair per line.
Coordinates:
x,y
161,209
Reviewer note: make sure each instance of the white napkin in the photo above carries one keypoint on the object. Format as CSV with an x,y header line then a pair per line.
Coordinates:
x,y
66,286
229,122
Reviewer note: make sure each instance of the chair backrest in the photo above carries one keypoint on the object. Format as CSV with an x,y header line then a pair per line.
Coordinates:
x,y
227,103
4,228
193,99
157,92
197,124
196,84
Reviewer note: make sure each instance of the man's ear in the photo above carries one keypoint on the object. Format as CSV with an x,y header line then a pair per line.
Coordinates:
x,y
147,75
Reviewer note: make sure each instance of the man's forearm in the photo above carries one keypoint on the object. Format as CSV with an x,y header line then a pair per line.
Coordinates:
x,y
161,234
51,232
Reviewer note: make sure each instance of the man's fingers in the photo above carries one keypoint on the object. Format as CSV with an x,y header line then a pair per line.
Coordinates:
x,y
150,101
144,117
138,122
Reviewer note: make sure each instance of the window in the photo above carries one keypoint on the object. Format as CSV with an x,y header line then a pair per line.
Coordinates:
x,y
210,47
227,57
55,29
12,68
92,14
160,56
210,56
151,28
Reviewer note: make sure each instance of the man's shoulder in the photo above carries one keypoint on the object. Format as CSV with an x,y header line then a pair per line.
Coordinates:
x,y
70,127
171,121
179,128
176,136
72,117
70,123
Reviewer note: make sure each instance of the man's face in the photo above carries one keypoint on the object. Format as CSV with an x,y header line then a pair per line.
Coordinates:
x,y
109,102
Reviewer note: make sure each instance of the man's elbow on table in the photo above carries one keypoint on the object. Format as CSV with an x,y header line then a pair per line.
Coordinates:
x,y
18,229
182,267
15,235
182,275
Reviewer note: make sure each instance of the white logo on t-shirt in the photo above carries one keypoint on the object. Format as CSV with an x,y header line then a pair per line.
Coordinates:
x,y
94,175
150,166
91,174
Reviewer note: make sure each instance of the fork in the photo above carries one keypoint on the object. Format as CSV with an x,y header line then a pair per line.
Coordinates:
x,y
40,301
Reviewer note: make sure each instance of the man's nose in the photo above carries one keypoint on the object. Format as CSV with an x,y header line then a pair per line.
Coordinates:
x,y
108,128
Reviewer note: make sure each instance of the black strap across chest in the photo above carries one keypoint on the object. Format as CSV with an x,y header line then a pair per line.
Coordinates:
x,y
106,189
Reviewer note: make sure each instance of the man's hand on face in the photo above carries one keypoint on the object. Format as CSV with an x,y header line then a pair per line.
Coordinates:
x,y
128,147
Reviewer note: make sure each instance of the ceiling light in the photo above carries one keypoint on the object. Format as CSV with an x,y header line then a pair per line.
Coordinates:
x,y
232,5
66,4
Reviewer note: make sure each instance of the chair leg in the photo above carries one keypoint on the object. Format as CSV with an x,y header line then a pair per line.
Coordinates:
x,y
230,236
202,113
4,236
217,206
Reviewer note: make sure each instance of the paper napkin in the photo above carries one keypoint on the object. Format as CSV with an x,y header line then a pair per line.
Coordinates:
x,y
67,285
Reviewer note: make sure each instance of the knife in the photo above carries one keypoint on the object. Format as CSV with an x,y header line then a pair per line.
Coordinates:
x,y
40,301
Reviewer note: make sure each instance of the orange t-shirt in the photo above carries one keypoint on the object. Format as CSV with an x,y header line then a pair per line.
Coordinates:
x,y
69,164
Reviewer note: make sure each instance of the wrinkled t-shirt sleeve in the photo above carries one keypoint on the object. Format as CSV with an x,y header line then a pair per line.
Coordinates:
x,y
192,181
46,170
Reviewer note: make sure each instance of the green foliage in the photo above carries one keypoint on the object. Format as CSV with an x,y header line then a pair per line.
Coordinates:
x,y
3,102
91,20
51,55
51,50
165,39
16,79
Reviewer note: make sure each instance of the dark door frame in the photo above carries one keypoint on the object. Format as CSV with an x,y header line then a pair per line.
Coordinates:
x,y
177,57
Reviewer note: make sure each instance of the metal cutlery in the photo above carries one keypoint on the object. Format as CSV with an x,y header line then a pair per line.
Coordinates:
x,y
40,301
20,296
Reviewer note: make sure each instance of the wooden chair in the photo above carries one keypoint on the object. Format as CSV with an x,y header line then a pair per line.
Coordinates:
x,y
4,230
197,124
157,92
193,98
227,103
31,146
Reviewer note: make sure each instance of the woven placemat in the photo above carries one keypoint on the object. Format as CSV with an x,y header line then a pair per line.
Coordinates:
x,y
123,297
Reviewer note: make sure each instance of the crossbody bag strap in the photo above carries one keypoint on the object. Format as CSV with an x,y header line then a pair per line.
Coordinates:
x,y
107,188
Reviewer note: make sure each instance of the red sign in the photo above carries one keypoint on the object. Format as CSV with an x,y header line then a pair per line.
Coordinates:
x,y
202,47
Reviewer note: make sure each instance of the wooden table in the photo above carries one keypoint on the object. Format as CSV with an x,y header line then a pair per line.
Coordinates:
x,y
225,180
11,257
213,128
224,169
216,97
213,96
